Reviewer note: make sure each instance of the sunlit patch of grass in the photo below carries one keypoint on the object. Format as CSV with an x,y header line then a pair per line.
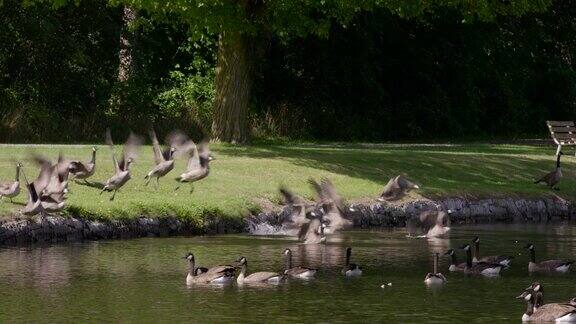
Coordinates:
x,y
241,175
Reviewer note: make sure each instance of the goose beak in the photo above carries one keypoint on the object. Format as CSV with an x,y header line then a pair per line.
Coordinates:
x,y
416,187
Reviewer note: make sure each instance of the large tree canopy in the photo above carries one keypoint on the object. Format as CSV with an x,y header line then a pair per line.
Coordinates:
x,y
245,27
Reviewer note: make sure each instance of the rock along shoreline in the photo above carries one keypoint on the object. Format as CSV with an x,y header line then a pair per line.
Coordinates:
x,y
366,215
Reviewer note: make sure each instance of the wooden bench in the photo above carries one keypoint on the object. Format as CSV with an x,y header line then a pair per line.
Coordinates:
x,y
563,133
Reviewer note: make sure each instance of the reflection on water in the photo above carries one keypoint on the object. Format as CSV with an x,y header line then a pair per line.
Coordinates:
x,y
143,280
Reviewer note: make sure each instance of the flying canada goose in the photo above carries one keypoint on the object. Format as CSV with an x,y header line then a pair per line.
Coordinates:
x,y
501,259
199,276
122,168
435,277
481,268
313,231
299,207
164,160
83,171
332,205
257,277
34,205
549,313
297,272
198,166
396,188
351,269
58,184
539,294
454,265
50,181
552,178
11,189
435,222
546,266
53,203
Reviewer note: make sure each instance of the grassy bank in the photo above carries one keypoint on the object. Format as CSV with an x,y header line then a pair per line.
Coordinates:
x,y
243,175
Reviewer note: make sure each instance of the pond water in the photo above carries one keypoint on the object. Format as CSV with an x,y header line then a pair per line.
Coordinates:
x,y
143,280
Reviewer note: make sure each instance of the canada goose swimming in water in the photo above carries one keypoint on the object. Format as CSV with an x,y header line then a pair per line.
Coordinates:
x,y
552,178
164,160
83,171
332,205
313,231
122,167
501,259
538,294
435,277
454,265
546,266
296,272
11,189
396,188
198,166
481,268
198,275
550,313
351,269
257,277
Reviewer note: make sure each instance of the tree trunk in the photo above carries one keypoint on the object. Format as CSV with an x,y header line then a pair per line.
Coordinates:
x,y
233,83
127,40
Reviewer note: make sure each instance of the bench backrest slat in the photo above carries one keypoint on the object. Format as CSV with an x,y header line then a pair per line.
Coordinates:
x,y
562,132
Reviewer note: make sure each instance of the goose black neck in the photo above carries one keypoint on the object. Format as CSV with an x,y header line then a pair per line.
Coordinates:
x,y
529,307
244,268
558,160
348,253
468,257
93,157
435,263
453,258
532,255
477,250
288,261
17,173
191,267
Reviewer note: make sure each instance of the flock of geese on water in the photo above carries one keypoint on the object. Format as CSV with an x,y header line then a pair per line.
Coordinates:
x,y
536,310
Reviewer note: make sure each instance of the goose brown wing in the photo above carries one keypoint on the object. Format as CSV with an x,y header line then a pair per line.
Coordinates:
x,y
553,264
550,312
291,198
130,150
391,189
43,179
110,144
158,156
330,192
261,276
221,268
193,159
78,167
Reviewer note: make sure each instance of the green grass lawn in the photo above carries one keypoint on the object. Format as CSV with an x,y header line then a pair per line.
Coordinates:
x,y
241,175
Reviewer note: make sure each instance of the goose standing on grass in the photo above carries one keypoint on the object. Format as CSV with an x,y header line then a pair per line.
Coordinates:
x,y
198,166
83,171
257,277
454,265
201,276
501,259
351,269
164,160
11,189
397,188
548,313
435,277
332,205
552,178
121,168
480,268
296,272
562,266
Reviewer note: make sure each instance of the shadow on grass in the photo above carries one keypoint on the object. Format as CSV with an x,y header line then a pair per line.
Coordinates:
x,y
95,184
454,170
